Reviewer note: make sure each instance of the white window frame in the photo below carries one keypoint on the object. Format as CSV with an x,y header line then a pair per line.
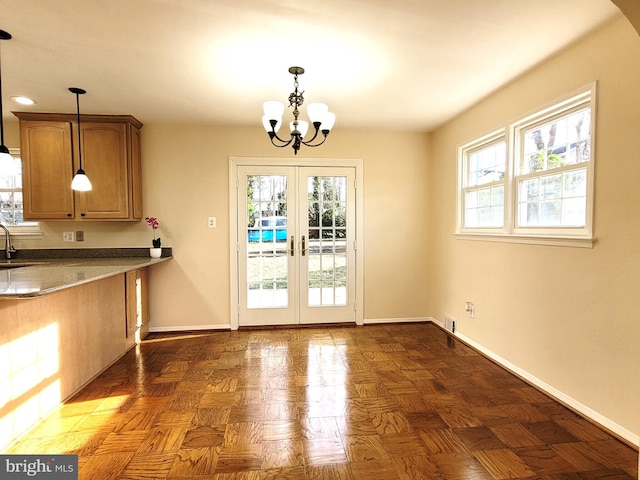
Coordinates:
x,y
29,229
464,154
512,133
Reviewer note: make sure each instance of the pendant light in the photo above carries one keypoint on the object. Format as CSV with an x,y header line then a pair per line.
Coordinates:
x,y
4,151
80,181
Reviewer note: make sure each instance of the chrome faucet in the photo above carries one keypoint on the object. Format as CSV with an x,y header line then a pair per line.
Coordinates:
x,y
8,248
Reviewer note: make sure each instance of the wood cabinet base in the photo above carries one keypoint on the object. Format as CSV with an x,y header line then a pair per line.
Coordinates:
x,y
51,346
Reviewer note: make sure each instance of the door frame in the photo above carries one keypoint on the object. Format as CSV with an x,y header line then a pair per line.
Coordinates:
x,y
234,246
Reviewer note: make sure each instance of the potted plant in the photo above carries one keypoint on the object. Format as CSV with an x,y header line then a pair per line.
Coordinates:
x,y
156,250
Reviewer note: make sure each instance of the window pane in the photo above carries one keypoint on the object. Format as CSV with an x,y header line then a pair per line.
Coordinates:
x,y
528,214
575,183
550,212
267,275
11,192
484,216
471,217
484,197
563,141
574,212
497,216
341,215
551,186
471,199
327,210
485,207
486,165
553,200
497,195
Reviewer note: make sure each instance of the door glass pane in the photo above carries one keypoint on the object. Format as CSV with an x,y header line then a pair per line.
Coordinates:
x,y
327,234
266,220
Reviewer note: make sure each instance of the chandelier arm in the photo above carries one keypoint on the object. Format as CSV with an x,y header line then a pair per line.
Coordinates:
x,y
273,135
281,146
316,126
308,143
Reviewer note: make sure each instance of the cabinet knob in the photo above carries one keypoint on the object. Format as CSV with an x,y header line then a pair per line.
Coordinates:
x,y
68,215
82,214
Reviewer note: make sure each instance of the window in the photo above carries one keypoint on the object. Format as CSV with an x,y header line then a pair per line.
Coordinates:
x,y
11,196
484,180
533,179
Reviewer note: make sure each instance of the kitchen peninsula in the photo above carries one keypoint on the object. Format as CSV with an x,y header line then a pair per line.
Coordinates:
x,y
66,316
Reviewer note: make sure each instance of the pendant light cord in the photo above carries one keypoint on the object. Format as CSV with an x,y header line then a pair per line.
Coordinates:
x,y
3,150
79,145
1,112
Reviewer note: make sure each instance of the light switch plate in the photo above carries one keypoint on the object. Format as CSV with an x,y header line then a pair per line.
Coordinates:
x,y
212,222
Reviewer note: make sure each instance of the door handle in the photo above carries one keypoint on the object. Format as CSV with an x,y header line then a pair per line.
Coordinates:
x,y
293,246
304,246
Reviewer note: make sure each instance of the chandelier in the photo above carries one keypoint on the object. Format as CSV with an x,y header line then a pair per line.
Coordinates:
x,y
321,119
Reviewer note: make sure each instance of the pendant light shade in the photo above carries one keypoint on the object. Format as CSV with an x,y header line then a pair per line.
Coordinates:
x,y
81,182
5,158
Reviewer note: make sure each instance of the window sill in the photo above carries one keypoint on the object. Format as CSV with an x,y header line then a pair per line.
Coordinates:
x,y
558,241
30,234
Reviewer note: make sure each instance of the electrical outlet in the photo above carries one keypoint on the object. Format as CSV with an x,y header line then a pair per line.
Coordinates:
x,y
469,307
68,237
80,236
212,222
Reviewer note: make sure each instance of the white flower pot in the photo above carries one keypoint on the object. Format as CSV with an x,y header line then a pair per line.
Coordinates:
x,y
155,252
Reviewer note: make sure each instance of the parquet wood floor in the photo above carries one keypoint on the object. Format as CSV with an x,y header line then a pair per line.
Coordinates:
x,y
394,402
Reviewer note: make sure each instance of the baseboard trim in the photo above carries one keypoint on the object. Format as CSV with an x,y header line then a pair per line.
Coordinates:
x,y
186,328
376,321
619,431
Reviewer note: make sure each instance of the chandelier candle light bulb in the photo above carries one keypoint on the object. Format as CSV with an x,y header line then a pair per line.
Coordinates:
x,y
321,119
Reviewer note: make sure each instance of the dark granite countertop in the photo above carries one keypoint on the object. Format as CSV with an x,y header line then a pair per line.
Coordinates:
x,y
33,273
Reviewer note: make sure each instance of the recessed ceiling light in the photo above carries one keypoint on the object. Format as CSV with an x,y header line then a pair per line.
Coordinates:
x,y
23,100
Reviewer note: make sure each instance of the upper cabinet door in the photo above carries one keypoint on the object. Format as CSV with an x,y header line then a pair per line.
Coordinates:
x,y
104,159
135,164
47,170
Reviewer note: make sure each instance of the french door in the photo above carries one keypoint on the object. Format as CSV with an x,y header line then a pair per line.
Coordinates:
x,y
296,245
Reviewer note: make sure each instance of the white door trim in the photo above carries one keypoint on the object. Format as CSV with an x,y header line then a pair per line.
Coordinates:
x,y
234,163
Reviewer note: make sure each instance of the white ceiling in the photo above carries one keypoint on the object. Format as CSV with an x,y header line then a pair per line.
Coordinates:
x,y
406,64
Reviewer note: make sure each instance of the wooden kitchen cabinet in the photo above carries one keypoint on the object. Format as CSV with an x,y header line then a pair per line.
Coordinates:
x,y
110,157
137,321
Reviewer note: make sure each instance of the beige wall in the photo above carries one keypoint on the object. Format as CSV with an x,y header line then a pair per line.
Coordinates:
x,y
567,316
185,180
193,162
